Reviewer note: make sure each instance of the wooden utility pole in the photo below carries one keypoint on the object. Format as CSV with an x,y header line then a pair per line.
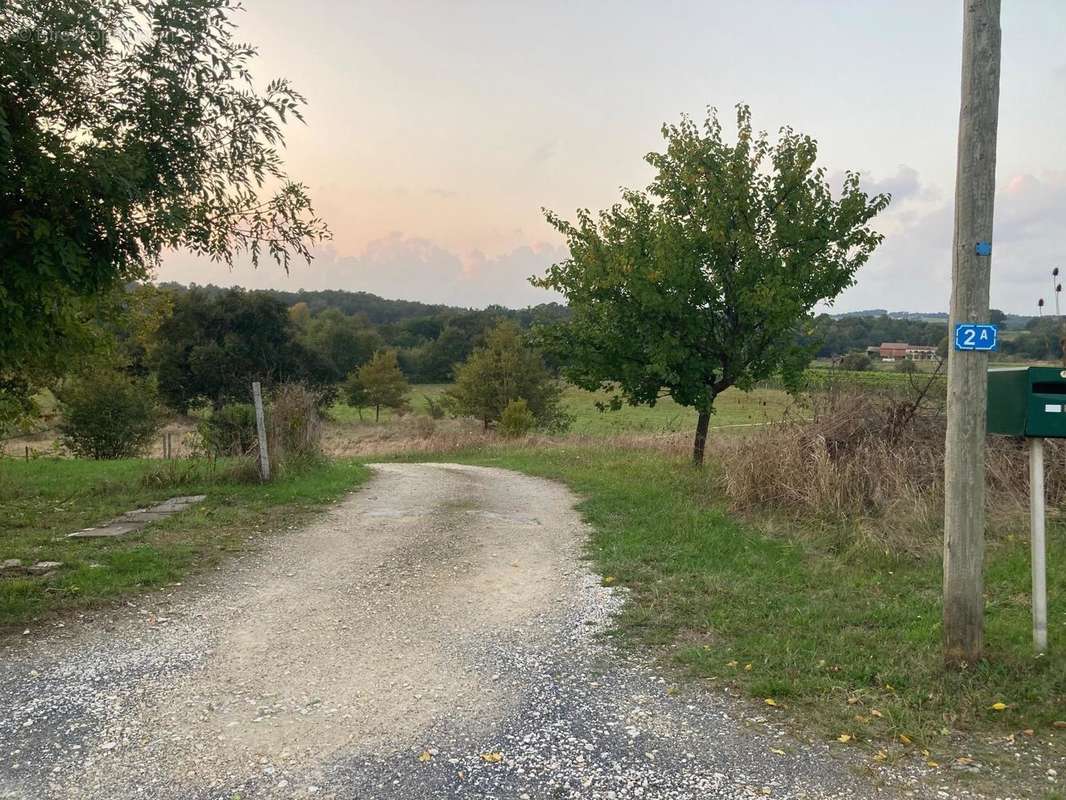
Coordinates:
x,y
964,457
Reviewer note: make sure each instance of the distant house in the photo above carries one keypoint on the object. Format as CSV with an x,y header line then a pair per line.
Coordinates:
x,y
894,351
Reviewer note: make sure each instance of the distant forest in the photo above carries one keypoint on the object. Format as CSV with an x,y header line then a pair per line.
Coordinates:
x,y
340,330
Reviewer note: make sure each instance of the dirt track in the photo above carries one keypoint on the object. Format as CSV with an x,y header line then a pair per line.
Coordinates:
x,y
434,635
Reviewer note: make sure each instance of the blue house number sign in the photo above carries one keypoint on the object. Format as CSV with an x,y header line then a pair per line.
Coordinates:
x,y
973,336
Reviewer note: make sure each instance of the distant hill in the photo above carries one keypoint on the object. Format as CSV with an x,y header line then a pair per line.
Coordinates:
x,y
380,310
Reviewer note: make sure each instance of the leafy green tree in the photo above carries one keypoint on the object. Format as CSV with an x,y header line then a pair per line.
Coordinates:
x,y
505,369
383,383
341,342
213,346
128,127
704,280
907,366
354,393
108,415
855,362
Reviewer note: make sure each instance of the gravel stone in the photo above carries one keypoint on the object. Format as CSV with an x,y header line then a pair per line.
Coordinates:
x,y
435,635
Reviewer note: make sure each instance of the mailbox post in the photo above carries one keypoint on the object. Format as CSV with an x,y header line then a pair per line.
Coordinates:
x,y
1031,402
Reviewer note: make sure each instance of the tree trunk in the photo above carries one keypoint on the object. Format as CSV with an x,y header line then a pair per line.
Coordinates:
x,y
377,413
698,446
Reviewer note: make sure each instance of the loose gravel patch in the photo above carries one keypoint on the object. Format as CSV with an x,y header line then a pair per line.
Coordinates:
x,y
435,635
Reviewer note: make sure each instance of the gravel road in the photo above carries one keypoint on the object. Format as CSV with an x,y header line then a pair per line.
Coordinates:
x,y
434,635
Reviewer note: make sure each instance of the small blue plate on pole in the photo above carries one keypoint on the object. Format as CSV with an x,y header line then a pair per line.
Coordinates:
x,y
984,248
975,336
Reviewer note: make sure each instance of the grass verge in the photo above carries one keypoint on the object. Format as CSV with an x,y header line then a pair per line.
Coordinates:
x,y
44,500
847,640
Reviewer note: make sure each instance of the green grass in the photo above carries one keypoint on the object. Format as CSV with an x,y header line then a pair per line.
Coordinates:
x,y
416,397
733,408
828,634
44,500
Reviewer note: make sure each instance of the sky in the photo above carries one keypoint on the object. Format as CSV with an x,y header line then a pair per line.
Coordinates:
x,y
438,131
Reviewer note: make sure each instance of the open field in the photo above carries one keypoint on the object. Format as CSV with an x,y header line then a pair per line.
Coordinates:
x,y
46,499
847,641
734,407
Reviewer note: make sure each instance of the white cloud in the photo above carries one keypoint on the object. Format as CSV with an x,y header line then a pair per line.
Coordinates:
x,y
912,268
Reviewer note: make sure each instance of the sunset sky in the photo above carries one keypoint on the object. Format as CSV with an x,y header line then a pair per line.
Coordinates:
x,y
436,131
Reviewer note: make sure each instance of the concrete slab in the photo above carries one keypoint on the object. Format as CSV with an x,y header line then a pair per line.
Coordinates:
x,y
139,517
108,531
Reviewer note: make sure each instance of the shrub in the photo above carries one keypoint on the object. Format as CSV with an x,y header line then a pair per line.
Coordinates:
x,y
516,419
294,426
855,362
108,415
229,431
435,408
906,366
873,464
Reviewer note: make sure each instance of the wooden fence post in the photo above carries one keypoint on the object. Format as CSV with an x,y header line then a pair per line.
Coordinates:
x,y
260,424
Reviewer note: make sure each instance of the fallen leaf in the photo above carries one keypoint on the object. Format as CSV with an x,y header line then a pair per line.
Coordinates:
x,y
852,701
424,756
844,738
932,764
963,760
997,706
731,663
775,750
1028,732
608,580
875,713
770,701
880,755
747,667
904,738
492,758
1058,724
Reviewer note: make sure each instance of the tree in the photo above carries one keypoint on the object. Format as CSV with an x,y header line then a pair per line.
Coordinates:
x,y
383,383
505,369
907,365
212,347
855,362
996,317
128,127
341,342
354,393
705,279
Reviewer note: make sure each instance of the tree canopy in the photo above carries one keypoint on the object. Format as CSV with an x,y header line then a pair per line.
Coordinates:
x,y
212,347
382,383
128,127
705,279
504,370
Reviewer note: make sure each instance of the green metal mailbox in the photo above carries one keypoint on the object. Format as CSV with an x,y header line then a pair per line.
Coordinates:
x,y
1027,401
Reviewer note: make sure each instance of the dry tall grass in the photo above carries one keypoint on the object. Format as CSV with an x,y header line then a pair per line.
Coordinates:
x,y
294,426
874,464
